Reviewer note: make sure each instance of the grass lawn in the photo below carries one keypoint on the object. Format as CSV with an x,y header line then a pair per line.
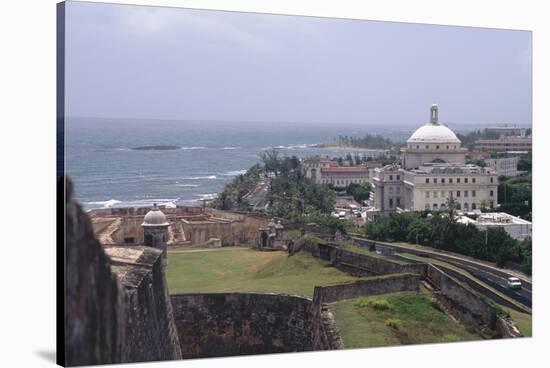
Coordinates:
x,y
396,319
246,270
524,321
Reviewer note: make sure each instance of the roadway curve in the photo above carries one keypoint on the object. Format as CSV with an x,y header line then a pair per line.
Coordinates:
x,y
485,272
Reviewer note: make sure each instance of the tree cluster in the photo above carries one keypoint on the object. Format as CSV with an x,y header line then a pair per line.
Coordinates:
x,y
440,230
360,192
468,140
515,196
366,141
231,198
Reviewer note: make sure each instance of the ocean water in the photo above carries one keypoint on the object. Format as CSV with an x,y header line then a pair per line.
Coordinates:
x,y
107,172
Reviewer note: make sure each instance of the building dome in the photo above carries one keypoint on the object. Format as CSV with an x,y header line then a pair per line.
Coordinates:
x,y
155,217
433,132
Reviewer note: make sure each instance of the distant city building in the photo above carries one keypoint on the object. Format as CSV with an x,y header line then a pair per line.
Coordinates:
x,y
324,171
504,144
516,227
433,170
311,167
344,176
478,155
507,131
507,166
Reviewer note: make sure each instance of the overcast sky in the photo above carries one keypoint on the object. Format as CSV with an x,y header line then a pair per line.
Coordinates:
x,y
168,63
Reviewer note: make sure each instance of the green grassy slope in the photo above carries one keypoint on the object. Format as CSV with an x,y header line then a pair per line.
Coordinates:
x,y
245,270
396,319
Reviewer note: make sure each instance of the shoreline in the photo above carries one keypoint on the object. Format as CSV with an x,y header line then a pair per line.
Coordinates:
x,y
354,149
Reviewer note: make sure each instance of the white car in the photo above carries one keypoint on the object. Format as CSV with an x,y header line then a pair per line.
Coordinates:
x,y
513,283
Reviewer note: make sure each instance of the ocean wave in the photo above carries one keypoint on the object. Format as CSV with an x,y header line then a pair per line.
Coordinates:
x,y
105,204
209,177
113,203
230,148
292,146
187,185
207,196
234,172
193,148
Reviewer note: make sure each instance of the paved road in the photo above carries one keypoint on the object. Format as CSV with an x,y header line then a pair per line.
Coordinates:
x,y
258,197
523,295
496,282
485,272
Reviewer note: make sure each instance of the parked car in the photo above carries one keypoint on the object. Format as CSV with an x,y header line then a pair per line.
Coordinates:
x,y
514,283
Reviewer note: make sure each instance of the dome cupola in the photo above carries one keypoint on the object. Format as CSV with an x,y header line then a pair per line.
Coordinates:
x,y
433,132
155,217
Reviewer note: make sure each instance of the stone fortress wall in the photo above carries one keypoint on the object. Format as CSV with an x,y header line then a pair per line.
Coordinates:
x,y
188,226
213,325
466,305
116,306
119,310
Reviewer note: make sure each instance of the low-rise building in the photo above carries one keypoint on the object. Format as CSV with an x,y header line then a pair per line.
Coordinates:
x,y
344,176
516,227
506,166
311,167
507,130
505,144
324,171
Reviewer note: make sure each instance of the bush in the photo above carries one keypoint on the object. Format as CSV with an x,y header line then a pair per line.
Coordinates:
x,y
379,304
393,323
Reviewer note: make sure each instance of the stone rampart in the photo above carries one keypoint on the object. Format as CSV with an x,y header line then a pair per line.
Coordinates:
x,y
116,300
212,325
464,304
359,264
150,327
371,286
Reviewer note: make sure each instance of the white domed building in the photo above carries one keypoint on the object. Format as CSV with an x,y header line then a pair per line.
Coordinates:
x,y
432,142
432,170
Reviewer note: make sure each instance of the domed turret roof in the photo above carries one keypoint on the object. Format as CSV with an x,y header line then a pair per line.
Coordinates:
x,y
155,217
433,132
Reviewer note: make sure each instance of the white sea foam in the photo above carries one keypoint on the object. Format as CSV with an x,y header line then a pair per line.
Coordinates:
x,y
187,185
234,173
166,202
292,146
209,177
105,204
193,148
207,196
230,148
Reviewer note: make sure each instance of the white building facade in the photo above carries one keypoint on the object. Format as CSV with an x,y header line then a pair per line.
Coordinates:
x,y
322,170
506,166
516,227
432,170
